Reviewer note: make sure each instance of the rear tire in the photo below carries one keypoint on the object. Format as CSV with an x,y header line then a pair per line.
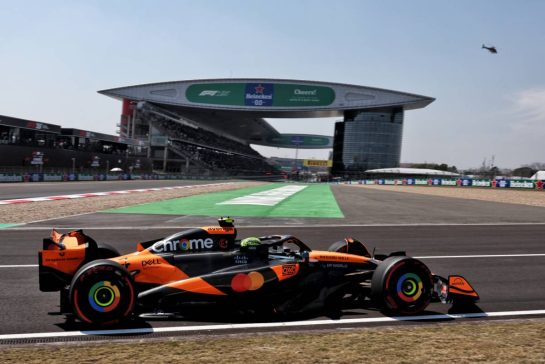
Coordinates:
x,y
401,286
102,293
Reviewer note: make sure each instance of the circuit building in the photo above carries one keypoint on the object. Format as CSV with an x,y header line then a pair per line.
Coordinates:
x,y
233,113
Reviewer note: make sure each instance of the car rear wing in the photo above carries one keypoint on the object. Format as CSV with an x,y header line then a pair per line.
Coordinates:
x,y
61,257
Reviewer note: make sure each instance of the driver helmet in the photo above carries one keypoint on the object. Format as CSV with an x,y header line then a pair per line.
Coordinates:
x,y
251,241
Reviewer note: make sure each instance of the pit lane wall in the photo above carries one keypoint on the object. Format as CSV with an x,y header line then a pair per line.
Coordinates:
x,y
458,182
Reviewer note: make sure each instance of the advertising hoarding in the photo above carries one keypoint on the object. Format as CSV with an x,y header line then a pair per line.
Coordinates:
x,y
260,94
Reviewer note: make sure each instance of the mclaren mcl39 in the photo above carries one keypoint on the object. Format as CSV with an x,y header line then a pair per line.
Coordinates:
x,y
208,266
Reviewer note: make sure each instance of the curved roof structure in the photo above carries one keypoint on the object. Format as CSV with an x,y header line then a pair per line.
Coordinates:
x,y
242,104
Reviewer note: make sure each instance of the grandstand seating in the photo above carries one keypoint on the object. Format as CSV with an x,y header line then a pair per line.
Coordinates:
x,y
205,149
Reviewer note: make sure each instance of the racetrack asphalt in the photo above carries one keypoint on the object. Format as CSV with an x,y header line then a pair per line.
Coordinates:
x,y
10,191
498,247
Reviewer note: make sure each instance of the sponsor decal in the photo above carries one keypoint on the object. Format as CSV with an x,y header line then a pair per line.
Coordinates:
x,y
290,140
183,245
260,94
521,184
306,93
292,95
217,93
86,134
10,178
241,259
334,265
242,282
317,163
149,262
223,243
36,125
221,230
53,177
289,270
37,158
481,183
333,257
502,183
61,259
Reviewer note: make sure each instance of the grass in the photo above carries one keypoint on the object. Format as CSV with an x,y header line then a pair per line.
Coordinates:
x,y
491,341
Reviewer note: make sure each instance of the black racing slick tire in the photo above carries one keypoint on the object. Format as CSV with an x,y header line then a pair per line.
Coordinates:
x,y
102,293
401,286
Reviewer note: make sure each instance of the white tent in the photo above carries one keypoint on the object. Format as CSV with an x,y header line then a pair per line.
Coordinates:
x,y
539,175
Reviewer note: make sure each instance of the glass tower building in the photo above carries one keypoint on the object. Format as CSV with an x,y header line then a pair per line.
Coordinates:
x,y
368,139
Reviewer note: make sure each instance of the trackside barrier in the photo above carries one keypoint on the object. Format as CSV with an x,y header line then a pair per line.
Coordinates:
x,y
58,177
521,184
458,182
52,177
10,177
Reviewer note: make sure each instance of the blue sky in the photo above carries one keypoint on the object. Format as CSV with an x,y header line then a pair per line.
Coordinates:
x,y
55,55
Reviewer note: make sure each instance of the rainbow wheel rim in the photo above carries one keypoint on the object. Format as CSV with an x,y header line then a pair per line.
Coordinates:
x,y
104,296
409,287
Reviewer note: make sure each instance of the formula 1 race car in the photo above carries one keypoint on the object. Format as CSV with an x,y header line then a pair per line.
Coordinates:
x,y
207,266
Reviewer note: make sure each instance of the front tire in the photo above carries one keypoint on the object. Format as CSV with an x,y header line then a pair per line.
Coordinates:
x,y
401,286
102,293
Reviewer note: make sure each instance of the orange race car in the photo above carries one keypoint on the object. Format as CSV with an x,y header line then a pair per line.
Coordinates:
x,y
207,266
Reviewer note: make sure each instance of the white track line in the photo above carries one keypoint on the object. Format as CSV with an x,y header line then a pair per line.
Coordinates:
x,y
19,266
417,257
280,325
107,193
287,225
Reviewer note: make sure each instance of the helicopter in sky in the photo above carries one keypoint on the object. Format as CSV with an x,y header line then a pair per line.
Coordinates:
x,y
491,49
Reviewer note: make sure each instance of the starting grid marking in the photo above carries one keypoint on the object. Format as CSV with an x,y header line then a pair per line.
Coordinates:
x,y
200,328
108,193
265,198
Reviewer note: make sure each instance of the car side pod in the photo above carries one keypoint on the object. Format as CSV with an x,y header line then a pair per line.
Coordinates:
x,y
455,290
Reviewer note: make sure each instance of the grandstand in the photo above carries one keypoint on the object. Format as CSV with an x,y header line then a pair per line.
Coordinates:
x,y
208,126
180,145
28,146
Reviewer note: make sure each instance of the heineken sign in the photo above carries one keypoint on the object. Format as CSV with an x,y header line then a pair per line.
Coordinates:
x,y
260,94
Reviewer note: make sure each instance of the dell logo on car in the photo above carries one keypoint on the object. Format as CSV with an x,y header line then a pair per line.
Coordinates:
x,y
183,245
